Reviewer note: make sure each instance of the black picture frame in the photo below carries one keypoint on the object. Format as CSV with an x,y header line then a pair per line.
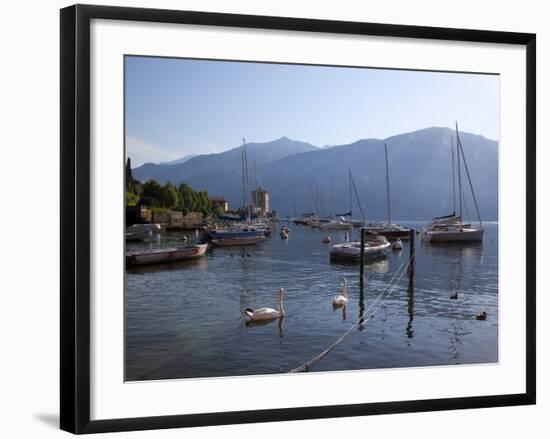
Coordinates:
x,y
75,217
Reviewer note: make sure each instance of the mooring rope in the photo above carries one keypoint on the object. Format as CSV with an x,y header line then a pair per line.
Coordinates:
x,y
305,367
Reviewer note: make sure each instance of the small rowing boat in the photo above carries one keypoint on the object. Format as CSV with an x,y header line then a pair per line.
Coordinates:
x,y
162,255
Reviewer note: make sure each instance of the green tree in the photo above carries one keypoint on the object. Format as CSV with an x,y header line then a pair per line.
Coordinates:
x,y
186,198
131,199
151,193
206,203
169,197
129,178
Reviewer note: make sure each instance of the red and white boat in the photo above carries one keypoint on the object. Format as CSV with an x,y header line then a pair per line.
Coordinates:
x,y
163,255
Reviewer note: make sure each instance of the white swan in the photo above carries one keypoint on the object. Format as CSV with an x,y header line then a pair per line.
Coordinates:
x,y
342,299
267,313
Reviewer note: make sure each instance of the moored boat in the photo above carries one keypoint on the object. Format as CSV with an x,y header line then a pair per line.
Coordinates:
x,y
237,240
390,231
397,245
454,234
351,251
335,225
450,228
163,255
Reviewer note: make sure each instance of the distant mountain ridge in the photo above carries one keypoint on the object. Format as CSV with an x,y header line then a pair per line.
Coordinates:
x,y
294,172
180,160
226,161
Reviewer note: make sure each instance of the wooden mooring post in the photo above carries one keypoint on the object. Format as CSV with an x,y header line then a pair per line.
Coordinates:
x,y
362,258
410,268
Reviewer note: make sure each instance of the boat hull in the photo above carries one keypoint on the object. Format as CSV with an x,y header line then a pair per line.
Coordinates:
x,y
226,242
159,256
336,226
352,251
464,235
389,233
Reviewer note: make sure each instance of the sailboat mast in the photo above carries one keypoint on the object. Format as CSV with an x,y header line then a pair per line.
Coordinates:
x,y
244,175
387,183
255,176
357,198
459,179
453,169
469,181
245,171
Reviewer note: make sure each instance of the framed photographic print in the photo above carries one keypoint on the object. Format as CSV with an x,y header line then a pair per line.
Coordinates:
x,y
273,218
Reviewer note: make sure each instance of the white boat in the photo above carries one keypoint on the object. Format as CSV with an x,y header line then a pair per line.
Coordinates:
x,y
340,224
455,234
397,245
162,255
450,228
351,251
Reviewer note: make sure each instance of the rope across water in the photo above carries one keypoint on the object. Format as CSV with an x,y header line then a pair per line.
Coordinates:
x,y
305,367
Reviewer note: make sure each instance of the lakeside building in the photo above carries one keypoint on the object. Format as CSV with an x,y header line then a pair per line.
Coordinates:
x,y
219,202
260,201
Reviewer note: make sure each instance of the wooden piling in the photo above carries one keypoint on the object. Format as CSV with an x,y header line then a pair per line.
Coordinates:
x,y
410,268
362,257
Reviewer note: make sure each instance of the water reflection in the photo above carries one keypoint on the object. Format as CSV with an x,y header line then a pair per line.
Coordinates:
x,y
342,308
410,311
199,263
380,265
168,334
259,323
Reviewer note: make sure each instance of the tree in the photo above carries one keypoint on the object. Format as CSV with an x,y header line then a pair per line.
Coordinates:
x,y
130,187
151,193
169,197
131,199
206,203
186,198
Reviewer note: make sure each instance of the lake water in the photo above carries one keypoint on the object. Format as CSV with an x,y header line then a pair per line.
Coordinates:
x,y
186,319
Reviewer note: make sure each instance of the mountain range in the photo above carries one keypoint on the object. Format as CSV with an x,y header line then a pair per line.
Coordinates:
x,y
300,174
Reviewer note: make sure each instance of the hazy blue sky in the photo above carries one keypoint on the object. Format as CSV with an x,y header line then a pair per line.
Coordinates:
x,y
176,107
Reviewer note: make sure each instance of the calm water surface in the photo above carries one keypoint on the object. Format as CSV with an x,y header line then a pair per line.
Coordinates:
x,y
186,319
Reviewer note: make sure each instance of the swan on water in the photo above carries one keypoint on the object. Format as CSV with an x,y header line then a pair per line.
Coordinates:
x,y
267,313
342,299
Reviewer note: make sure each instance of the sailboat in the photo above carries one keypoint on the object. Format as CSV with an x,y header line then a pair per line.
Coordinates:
x,y
242,234
388,229
349,214
450,228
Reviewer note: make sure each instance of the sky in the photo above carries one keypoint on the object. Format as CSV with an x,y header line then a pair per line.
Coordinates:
x,y
175,107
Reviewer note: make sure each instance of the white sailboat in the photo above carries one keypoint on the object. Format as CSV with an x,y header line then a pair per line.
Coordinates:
x,y
450,228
